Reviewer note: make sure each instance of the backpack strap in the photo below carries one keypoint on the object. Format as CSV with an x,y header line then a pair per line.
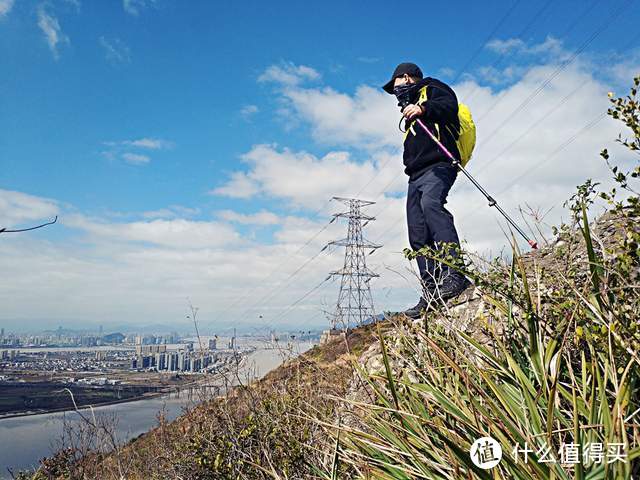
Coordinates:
x,y
421,100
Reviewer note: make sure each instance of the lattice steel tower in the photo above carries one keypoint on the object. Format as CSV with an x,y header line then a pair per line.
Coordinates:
x,y
355,303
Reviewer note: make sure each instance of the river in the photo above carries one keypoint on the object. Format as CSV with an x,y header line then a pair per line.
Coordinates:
x,y
25,440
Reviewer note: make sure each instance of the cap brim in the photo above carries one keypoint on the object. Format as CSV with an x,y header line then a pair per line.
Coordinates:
x,y
388,87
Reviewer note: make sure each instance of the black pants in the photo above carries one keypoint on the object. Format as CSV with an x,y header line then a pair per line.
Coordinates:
x,y
428,221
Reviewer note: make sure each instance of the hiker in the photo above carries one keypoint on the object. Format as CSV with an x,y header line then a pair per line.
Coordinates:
x,y
431,175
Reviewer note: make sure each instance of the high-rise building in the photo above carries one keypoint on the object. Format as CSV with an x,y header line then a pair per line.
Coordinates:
x,y
172,362
181,361
232,341
160,361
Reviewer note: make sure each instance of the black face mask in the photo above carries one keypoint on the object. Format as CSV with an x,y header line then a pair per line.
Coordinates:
x,y
406,93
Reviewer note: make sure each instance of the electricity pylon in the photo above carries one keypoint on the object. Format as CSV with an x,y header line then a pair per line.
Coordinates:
x,y
355,303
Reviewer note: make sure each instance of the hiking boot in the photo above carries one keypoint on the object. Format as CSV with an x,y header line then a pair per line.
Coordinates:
x,y
453,285
415,312
426,301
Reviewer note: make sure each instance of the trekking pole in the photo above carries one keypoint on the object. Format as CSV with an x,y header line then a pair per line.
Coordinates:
x,y
492,201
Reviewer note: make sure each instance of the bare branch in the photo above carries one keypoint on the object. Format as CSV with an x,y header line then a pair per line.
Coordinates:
x,y
4,230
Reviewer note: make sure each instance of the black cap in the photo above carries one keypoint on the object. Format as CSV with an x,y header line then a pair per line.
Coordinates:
x,y
410,69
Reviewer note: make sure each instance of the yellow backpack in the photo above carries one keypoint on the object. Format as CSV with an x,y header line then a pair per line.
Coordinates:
x,y
467,136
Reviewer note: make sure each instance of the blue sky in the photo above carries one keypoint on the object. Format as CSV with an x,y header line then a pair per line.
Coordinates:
x,y
119,116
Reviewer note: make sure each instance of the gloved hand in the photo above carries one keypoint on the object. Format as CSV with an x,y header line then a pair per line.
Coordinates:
x,y
412,111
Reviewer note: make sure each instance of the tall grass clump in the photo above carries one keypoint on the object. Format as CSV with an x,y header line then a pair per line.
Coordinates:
x,y
553,375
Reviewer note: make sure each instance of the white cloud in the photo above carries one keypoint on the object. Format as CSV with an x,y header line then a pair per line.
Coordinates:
x,y
150,143
173,211
626,70
120,148
504,46
116,52
305,180
503,76
248,111
177,233
74,3
135,158
134,7
240,186
5,7
446,72
550,46
261,218
288,74
366,59
53,34
523,57
145,143
367,119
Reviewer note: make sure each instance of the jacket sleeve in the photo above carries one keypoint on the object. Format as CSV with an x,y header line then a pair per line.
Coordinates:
x,y
441,105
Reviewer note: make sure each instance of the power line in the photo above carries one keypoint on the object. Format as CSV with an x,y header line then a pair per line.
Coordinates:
x,y
566,32
495,29
632,42
391,157
279,286
309,292
557,150
556,72
460,72
354,299
483,44
505,54
568,141
550,112
281,266
512,182
271,294
531,127
547,80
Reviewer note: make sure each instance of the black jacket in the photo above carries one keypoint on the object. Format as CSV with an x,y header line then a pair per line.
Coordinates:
x,y
441,107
